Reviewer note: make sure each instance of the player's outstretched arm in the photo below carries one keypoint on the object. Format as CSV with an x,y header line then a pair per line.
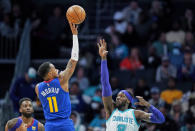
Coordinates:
x,y
67,73
155,116
41,127
106,88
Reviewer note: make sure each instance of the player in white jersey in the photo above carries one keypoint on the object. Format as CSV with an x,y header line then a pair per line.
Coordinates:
x,y
118,115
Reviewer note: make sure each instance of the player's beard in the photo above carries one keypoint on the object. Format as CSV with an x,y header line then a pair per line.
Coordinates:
x,y
120,105
27,115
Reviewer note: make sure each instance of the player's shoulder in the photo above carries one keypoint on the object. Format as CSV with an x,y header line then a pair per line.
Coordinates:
x,y
40,126
37,86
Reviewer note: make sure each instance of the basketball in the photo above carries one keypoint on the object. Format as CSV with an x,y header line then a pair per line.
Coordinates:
x,y
76,14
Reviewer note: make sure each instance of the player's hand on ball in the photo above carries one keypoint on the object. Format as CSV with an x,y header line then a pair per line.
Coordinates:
x,y
142,102
102,48
74,28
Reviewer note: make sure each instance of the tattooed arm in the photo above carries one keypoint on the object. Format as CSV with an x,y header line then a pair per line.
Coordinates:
x,y
67,73
41,127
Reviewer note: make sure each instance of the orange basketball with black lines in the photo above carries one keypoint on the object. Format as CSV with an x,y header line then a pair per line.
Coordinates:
x,y
76,14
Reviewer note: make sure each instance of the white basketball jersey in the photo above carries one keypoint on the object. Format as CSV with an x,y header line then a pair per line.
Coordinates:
x,y
122,121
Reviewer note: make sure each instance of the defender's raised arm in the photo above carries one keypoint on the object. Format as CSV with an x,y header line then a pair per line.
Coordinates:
x,y
106,88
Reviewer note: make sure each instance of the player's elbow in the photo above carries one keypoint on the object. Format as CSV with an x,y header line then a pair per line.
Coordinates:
x,y
162,120
157,118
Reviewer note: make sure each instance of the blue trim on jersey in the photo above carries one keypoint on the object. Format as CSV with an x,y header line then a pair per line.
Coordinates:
x,y
135,118
111,115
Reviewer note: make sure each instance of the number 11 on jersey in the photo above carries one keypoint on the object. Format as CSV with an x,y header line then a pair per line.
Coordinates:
x,y
52,103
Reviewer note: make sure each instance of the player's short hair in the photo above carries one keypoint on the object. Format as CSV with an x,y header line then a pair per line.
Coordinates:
x,y
24,99
44,69
11,123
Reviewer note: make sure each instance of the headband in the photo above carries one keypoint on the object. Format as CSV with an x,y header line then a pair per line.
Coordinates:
x,y
129,97
17,125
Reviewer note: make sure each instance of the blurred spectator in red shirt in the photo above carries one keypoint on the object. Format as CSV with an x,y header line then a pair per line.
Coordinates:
x,y
132,62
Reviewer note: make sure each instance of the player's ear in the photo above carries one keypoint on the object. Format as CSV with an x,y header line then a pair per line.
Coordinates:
x,y
49,74
20,110
128,101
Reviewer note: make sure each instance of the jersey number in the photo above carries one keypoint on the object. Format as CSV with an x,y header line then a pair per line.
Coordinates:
x,y
121,127
54,103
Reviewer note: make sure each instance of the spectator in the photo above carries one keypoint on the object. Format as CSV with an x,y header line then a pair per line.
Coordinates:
x,y
81,79
162,46
5,6
23,87
75,116
130,37
120,49
188,21
120,24
55,26
143,27
176,112
191,106
132,12
76,98
155,98
186,97
189,124
98,123
165,70
132,62
171,93
187,69
156,10
17,15
142,89
189,40
169,123
176,34
8,28
153,60
176,56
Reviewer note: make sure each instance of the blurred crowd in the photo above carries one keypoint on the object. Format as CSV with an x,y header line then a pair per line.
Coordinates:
x,y
151,52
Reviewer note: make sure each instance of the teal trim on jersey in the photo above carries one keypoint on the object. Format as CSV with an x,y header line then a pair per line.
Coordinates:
x,y
135,118
111,115
124,110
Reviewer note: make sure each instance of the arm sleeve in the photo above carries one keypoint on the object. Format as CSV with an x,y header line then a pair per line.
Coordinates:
x,y
106,88
75,48
157,116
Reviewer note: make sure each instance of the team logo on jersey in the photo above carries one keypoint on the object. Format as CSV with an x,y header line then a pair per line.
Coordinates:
x,y
33,128
47,84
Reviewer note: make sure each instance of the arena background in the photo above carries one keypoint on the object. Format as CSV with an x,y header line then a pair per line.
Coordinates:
x,y
157,31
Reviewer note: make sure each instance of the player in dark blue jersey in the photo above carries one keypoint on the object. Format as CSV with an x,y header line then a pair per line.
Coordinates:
x,y
26,122
53,91
26,110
